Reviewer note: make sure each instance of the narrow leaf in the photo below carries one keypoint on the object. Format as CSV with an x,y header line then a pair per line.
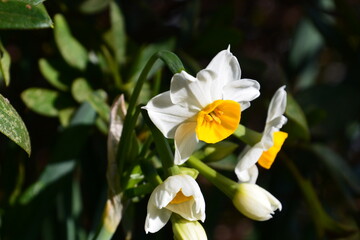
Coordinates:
x,y
337,166
12,126
117,32
296,115
70,48
172,61
23,15
4,65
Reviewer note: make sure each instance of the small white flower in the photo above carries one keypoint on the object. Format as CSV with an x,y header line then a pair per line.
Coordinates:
x,y
255,202
265,151
179,194
206,107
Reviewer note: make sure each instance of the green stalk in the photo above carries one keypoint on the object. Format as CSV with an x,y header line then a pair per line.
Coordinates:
x,y
162,147
175,65
247,135
223,183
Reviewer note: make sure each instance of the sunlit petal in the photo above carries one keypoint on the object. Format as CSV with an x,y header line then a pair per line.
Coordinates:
x,y
167,116
156,218
277,105
185,142
226,66
242,91
190,92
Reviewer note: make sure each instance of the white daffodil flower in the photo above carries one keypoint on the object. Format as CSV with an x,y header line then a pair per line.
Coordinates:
x,y
179,194
265,151
255,202
206,107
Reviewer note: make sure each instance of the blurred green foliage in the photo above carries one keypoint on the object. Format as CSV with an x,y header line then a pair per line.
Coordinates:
x,y
64,80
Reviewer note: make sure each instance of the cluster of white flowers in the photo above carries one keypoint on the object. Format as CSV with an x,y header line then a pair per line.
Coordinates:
x,y
208,108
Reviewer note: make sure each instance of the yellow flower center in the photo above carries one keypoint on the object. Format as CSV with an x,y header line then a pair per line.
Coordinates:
x,y
268,157
218,120
180,198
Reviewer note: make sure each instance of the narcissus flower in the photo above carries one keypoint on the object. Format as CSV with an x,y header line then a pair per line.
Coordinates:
x,y
179,194
255,202
206,107
265,151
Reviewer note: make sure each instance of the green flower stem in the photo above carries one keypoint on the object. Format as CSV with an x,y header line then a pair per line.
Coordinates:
x,y
223,183
150,172
125,139
139,190
175,65
247,135
162,146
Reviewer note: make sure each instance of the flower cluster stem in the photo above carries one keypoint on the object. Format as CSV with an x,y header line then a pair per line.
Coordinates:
x,y
223,183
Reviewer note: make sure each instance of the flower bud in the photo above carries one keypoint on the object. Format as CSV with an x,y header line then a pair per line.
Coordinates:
x,y
187,230
255,202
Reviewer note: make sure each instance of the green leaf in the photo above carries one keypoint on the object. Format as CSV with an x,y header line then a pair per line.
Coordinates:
x,y
4,65
81,89
12,126
23,15
303,57
93,6
65,116
99,104
117,32
52,173
144,56
70,48
45,102
337,166
53,75
298,126
34,2
172,61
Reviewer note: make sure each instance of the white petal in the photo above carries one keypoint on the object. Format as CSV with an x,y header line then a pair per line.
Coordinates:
x,y
226,66
167,116
254,173
248,160
156,218
185,142
273,126
242,91
193,189
277,104
190,92
275,203
184,209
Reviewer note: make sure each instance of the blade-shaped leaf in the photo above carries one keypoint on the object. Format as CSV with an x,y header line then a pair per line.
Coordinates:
x,y
12,126
23,15
70,48
117,32
4,65
337,166
296,115
45,102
